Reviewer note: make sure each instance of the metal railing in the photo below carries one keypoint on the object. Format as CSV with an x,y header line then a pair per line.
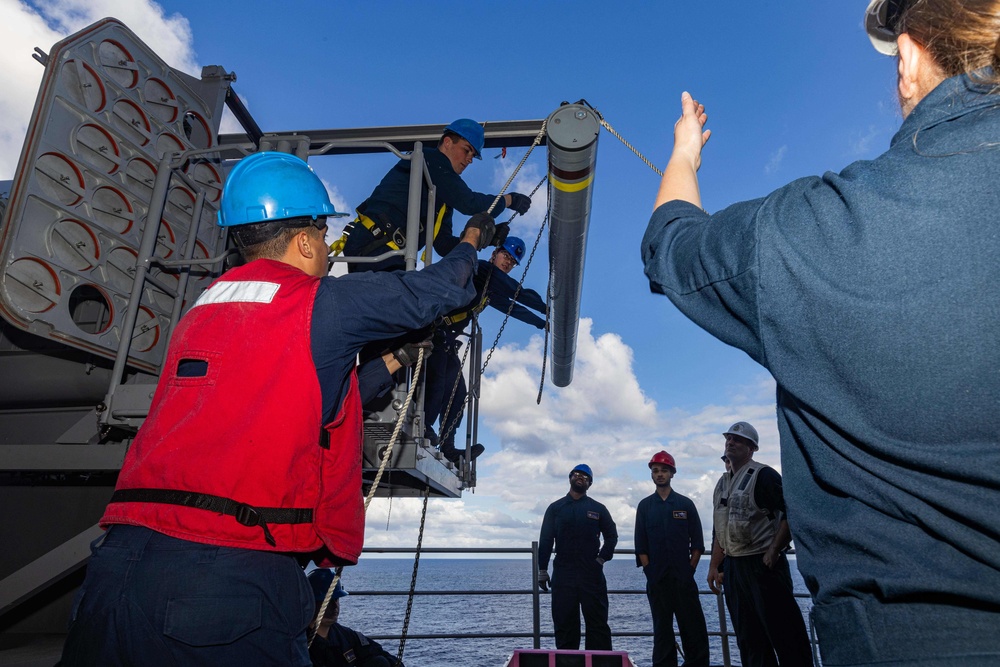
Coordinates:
x,y
725,634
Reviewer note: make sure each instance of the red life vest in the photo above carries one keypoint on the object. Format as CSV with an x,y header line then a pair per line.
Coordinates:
x,y
247,429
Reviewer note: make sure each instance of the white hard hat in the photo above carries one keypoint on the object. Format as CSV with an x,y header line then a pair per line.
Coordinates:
x,y
881,18
744,430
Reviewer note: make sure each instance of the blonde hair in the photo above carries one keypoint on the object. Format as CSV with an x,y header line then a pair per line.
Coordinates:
x,y
962,36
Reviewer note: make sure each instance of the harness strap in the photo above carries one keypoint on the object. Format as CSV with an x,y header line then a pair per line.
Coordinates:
x,y
246,515
458,317
437,228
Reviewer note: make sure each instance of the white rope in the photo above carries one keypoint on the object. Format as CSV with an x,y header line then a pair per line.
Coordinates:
x,y
378,478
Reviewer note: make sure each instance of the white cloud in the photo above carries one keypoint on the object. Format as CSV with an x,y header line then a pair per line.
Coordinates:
x,y
776,159
42,23
527,179
604,419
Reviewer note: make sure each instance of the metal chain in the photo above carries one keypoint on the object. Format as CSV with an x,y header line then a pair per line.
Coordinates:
x,y
538,140
413,579
453,423
517,292
607,126
545,344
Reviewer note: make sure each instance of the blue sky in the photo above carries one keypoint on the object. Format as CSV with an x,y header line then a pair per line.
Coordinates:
x,y
792,89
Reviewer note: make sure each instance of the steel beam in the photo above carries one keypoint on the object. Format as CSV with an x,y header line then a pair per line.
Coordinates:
x,y
42,572
499,134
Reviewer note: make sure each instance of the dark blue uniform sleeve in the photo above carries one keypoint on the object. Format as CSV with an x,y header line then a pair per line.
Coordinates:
x,y
609,531
546,538
353,310
453,192
707,266
641,539
502,289
769,493
374,379
694,530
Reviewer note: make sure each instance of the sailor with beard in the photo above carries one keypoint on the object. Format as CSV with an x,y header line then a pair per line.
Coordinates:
x,y
576,523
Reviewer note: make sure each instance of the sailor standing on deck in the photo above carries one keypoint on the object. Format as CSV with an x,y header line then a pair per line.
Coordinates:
x,y
251,453
668,546
871,297
576,523
750,532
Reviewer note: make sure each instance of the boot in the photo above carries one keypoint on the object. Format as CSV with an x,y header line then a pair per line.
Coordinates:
x,y
453,455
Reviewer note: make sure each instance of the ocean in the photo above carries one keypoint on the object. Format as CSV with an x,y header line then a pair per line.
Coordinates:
x,y
497,612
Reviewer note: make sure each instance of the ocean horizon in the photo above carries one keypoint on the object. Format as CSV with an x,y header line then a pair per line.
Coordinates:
x,y
369,609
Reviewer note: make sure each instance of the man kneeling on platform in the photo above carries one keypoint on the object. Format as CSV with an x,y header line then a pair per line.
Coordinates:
x,y
337,646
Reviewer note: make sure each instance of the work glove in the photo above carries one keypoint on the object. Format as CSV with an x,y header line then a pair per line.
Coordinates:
x,y
520,203
543,580
500,236
407,355
486,226
600,561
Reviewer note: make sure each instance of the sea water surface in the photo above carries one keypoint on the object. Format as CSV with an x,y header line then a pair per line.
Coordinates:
x,y
377,615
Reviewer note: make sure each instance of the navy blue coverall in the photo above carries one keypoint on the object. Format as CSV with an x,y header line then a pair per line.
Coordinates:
x,y
668,531
388,203
578,583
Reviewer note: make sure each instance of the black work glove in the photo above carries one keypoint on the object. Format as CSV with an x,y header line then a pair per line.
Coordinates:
x,y
486,226
543,580
407,355
500,236
520,203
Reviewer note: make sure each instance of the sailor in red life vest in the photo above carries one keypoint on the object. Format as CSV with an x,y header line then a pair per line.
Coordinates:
x,y
252,448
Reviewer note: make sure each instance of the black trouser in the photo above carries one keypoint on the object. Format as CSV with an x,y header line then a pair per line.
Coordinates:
x,y
677,595
361,239
568,599
444,369
768,622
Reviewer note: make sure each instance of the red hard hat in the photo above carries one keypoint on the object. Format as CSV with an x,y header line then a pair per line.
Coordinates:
x,y
663,458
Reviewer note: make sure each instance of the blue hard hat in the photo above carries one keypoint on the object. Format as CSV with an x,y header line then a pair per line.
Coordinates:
x,y
515,248
320,579
585,469
270,186
471,131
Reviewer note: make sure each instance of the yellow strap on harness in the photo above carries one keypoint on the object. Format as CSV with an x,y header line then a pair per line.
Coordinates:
x,y
371,226
458,317
437,228
337,247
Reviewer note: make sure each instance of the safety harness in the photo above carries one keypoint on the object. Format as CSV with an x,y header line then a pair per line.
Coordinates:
x,y
384,232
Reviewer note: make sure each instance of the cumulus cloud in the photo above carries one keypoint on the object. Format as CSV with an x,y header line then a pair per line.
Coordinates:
x,y
604,419
527,179
42,23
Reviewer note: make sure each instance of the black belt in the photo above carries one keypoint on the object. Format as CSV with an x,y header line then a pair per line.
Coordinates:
x,y
247,515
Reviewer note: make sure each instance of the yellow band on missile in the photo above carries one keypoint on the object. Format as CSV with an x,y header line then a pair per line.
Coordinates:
x,y
570,187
